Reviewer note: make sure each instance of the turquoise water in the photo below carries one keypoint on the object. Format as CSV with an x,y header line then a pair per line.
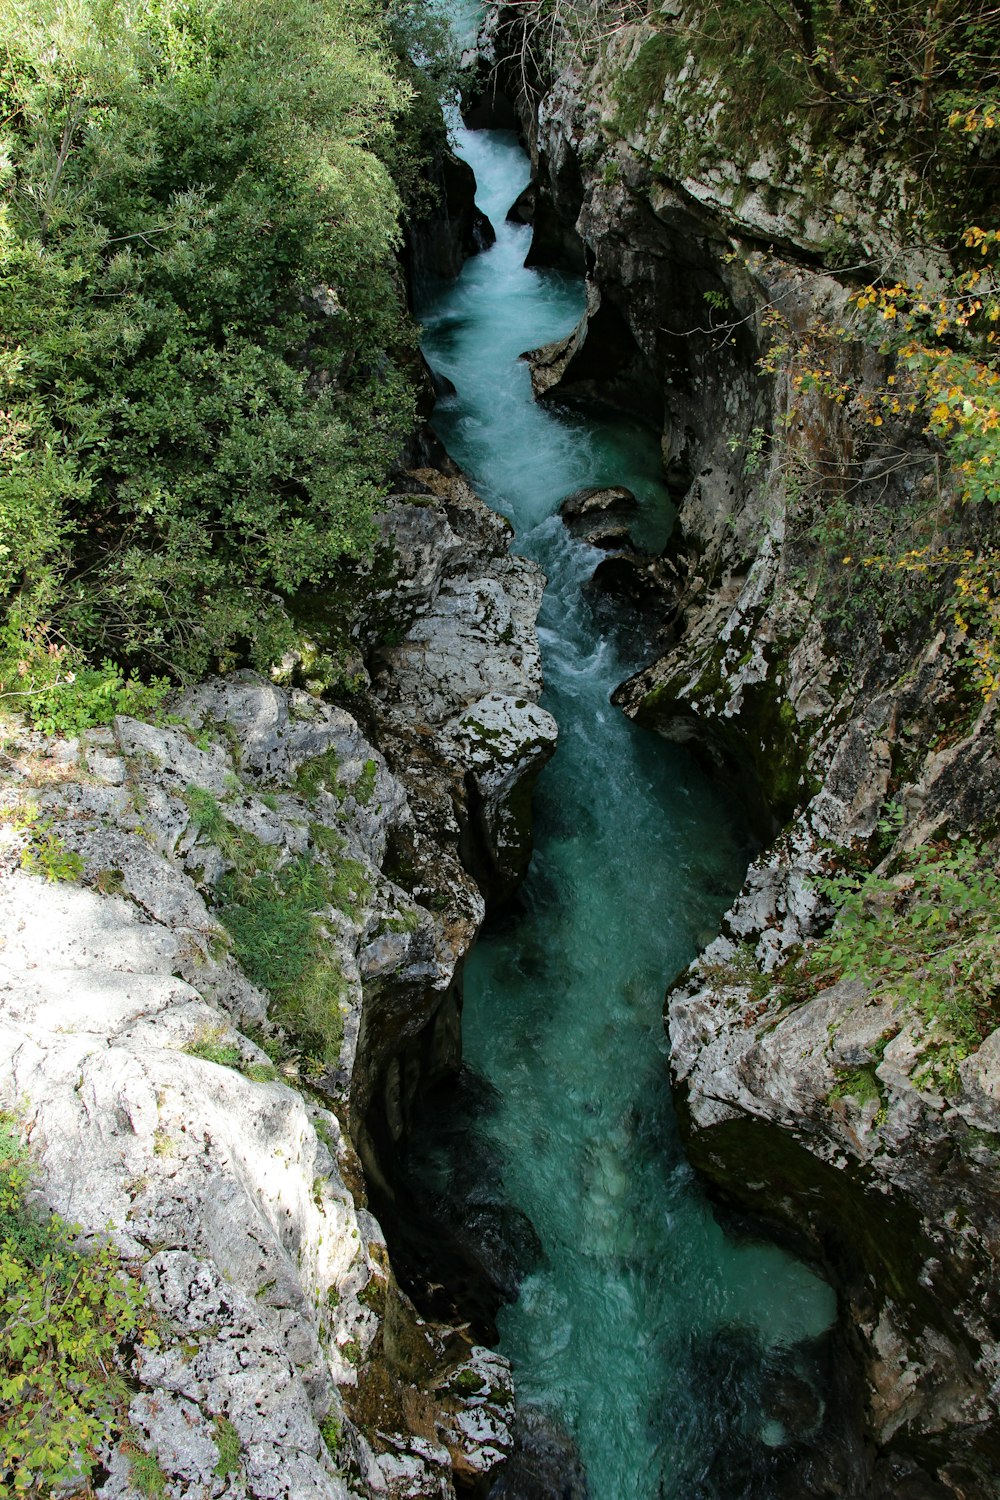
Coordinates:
x,y
654,1338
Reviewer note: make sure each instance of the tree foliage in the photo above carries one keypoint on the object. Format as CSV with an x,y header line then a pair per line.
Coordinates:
x,y
198,304
890,76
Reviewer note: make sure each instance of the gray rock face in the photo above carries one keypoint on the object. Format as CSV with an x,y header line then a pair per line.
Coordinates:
x,y
219,1180
584,505
218,1186
456,696
439,243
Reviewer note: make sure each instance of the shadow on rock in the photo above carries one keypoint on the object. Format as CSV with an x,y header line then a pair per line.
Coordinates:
x,y
545,1463
780,1429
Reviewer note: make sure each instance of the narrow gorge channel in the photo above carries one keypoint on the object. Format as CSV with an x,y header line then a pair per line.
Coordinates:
x,y
682,1361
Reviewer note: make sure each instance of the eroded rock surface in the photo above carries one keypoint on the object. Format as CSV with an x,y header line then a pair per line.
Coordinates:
x,y
456,695
155,1118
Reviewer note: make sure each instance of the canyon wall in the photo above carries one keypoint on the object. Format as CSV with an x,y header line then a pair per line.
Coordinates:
x,y
825,689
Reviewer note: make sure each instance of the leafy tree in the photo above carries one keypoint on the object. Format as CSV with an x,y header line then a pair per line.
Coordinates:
x,y
198,304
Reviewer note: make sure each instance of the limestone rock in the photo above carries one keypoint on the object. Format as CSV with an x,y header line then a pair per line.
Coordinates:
x,y
584,505
120,1009
468,657
503,743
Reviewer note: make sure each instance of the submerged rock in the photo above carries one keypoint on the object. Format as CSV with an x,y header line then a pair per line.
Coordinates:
x,y
598,516
583,505
545,1463
522,210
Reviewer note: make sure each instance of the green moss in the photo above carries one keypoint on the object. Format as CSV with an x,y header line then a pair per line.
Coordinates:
x,y
407,921
466,1383
280,940
331,1431
319,774
227,1442
373,1295
349,887
209,1046
764,737
260,1072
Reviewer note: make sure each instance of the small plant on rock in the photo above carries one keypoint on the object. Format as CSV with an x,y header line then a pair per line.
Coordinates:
x,y
210,1045
69,1319
227,1441
45,852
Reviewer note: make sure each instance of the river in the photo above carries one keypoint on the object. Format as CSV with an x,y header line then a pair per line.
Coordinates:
x,y
664,1346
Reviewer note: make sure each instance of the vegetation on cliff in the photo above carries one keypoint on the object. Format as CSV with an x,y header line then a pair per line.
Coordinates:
x,y
202,331
69,1320
913,90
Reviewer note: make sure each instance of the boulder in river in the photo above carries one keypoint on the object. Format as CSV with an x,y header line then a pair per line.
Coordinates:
x,y
597,500
598,516
522,210
465,670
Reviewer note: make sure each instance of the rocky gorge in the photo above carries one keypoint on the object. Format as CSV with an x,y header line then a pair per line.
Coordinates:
x,y
234,1008
826,693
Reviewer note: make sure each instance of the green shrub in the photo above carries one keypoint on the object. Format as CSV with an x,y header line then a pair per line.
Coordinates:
x,y
68,1320
56,700
45,853
187,434
924,933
